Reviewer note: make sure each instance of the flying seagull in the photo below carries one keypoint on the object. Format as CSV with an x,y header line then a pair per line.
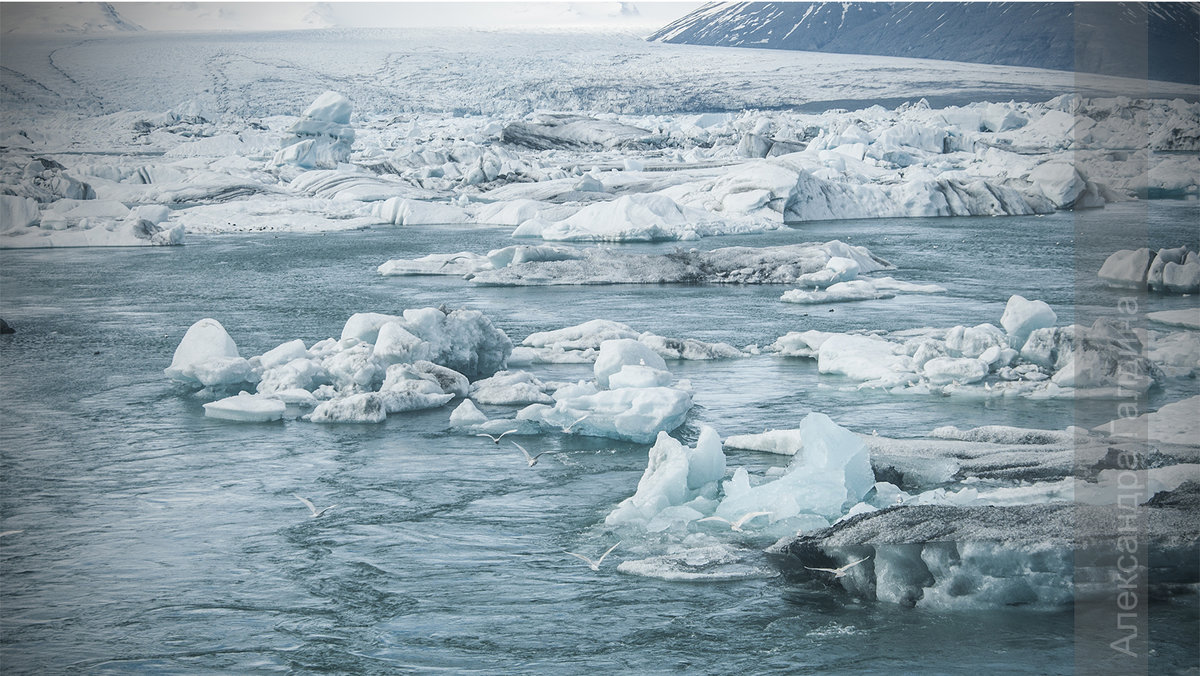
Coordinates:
x,y
532,459
450,260
495,440
594,565
10,532
568,427
736,525
839,572
312,508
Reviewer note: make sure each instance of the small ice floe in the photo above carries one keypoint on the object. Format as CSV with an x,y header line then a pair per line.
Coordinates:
x,y
246,407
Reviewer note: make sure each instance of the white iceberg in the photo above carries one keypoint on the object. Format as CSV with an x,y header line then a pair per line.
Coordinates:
x,y
616,354
1188,318
779,442
788,264
830,472
676,477
1022,317
635,414
1167,270
208,356
510,388
403,362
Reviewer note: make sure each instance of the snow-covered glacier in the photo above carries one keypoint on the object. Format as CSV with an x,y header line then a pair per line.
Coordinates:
x,y
296,159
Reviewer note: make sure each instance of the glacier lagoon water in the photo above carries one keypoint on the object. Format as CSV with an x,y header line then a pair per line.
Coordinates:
x,y
156,540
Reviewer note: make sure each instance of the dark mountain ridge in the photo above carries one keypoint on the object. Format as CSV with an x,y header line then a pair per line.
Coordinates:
x,y
1157,40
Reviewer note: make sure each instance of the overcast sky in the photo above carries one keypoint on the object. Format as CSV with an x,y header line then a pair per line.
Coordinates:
x,y
207,16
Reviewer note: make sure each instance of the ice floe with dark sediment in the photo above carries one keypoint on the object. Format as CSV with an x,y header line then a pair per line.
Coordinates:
x,y
1029,357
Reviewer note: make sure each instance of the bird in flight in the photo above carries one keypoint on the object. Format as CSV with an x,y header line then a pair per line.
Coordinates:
x,y
594,565
311,507
495,440
531,459
737,525
10,532
450,260
568,427
839,572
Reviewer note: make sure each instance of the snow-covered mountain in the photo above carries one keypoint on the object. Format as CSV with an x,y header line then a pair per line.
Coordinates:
x,y
1159,39
57,18
64,17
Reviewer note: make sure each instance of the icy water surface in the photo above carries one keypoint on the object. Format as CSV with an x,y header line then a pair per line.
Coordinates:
x,y
156,540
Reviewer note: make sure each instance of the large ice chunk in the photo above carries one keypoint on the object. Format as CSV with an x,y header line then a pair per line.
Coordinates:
x,y
616,354
863,358
1176,423
830,472
510,387
208,356
787,264
632,413
322,137
1022,317
629,218
675,476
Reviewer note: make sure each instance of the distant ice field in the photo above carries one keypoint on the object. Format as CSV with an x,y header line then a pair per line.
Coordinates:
x,y
481,72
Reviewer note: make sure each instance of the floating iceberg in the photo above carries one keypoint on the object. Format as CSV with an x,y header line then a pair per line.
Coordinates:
x,y
1187,319
1051,362
382,364
636,218
366,407
947,557
207,356
580,344
787,264
615,355
635,414
510,388
679,484
830,471
465,262
1167,270
780,442
405,211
